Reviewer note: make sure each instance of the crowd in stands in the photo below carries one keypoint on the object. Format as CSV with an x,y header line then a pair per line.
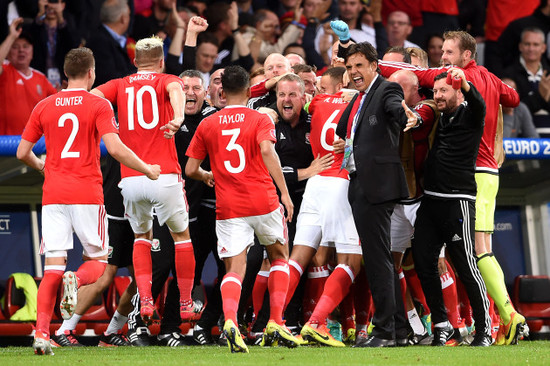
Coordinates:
x,y
271,39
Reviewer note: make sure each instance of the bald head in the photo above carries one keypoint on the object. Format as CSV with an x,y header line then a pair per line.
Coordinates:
x,y
275,65
409,84
295,59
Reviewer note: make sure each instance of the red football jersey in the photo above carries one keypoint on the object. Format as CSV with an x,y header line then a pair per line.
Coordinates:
x,y
325,110
19,94
143,107
231,137
72,122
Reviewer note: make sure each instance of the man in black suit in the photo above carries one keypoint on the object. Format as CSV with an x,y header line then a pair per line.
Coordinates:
x,y
109,42
371,125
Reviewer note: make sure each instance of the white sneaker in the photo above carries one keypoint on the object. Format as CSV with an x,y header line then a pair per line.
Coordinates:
x,y
42,346
70,291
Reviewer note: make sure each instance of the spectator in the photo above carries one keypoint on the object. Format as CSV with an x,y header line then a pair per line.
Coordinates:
x,y
153,20
21,87
176,61
295,59
108,42
518,121
223,19
54,36
207,52
257,76
531,72
266,37
419,57
506,51
295,48
350,12
199,5
397,54
435,50
399,28
307,74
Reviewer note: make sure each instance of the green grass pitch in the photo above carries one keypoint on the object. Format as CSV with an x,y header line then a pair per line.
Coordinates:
x,y
525,353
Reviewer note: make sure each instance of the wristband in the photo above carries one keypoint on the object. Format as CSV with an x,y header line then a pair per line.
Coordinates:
x,y
299,25
345,42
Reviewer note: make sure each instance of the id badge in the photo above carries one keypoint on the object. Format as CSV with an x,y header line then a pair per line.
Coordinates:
x,y
54,77
347,153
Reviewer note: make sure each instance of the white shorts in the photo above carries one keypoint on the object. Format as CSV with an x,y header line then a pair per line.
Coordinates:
x,y
166,195
89,222
237,234
402,226
325,216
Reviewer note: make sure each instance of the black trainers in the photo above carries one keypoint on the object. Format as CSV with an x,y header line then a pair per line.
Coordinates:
x,y
442,335
202,337
139,337
173,339
421,339
67,339
113,340
222,341
482,340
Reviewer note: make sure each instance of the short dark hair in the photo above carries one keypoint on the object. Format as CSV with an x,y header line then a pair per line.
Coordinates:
x,y
298,68
443,75
192,74
77,62
336,73
216,13
235,79
364,48
400,50
207,37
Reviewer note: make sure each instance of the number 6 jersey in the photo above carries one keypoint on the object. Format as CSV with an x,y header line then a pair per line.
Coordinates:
x,y
73,122
143,106
231,137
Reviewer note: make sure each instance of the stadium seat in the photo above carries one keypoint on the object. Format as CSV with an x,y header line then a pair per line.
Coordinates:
x,y
532,300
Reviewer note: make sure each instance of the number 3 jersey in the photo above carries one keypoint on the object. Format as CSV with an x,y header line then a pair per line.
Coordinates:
x,y
231,138
325,110
143,106
73,122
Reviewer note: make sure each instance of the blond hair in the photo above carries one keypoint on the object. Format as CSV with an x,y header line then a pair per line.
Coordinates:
x,y
149,50
420,54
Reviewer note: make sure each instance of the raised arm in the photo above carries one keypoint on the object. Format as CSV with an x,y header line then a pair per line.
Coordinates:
x,y
5,46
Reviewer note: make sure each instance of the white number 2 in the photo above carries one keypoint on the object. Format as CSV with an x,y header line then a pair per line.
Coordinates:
x,y
138,98
234,133
65,153
328,125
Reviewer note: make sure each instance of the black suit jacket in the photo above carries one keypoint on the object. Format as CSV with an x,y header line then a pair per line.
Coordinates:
x,y
532,98
111,60
376,142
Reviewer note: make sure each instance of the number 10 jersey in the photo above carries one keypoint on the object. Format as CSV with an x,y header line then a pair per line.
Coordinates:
x,y
143,107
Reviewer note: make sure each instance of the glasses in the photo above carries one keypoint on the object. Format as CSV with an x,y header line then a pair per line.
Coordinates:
x,y
395,22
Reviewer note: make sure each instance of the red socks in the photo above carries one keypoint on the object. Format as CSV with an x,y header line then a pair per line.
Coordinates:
x,y
47,294
295,273
89,272
415,287
450,296
278,287
231,294
464,302
185,270
143,267
258,291
316,278
336,288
